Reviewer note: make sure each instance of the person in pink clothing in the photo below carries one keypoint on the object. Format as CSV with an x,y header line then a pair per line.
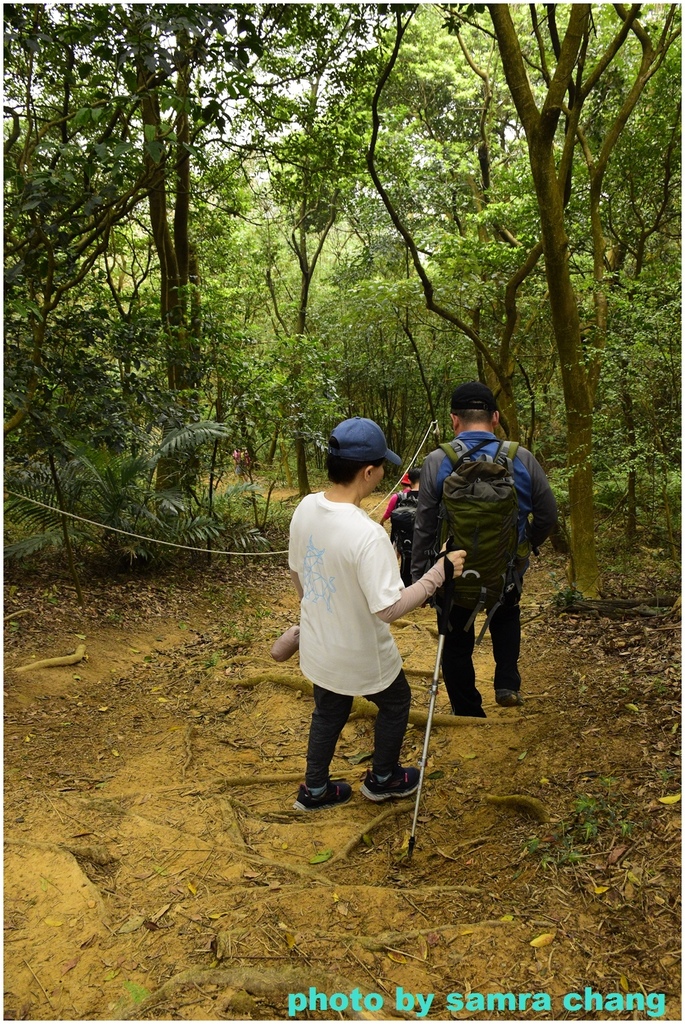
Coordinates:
x,y
410,482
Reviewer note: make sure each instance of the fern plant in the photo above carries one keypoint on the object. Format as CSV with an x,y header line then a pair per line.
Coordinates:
x,y
118,491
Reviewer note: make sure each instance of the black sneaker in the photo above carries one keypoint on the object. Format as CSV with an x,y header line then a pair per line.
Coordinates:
x,y
508,698
403,782
335,793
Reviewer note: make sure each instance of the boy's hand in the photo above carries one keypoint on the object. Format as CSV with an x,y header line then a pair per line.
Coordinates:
x,y
457,558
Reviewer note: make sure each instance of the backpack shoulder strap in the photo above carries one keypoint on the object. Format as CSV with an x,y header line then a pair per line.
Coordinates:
x,y
464,453
506,453
509,449
450,453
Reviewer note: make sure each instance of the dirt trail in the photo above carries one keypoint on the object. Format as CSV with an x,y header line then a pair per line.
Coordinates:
x,y
142,877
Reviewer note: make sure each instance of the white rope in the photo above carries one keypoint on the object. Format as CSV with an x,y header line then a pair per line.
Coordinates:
x,y
433,426
152,540
208,551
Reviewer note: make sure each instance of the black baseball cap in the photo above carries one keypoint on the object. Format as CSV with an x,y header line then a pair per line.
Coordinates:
x,y
473,395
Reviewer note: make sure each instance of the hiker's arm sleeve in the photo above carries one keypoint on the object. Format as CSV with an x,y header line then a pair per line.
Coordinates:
x,y
426,522
390,507
418,593
544,506
296,583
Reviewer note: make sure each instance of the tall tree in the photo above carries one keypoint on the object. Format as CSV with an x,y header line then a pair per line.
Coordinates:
x,y
309,137
579,70
87,91
494,342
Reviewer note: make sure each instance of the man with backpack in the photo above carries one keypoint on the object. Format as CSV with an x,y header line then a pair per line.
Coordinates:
x,y
494,500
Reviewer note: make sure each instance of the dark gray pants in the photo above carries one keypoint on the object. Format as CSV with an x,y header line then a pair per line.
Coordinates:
x,y
330,714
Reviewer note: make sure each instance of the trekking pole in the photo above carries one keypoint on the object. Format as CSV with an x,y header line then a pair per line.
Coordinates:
x,y
442,632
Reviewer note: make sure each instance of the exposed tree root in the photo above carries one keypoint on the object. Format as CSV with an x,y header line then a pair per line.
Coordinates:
x,y
361,708
284,816
294,869
389,812
620,608
228,781
426,890
375,943
231,824
282,678
68,659
259,780
257,982
94,854
529,806
394,939
18,614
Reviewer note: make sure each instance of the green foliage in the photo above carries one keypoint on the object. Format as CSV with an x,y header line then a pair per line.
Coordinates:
x,y
117,492
304,306
597,818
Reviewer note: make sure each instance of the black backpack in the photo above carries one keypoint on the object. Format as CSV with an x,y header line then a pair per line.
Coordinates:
x,y
402,521
480,513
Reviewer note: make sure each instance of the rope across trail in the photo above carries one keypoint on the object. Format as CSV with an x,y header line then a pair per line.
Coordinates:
x,y
151,540
433,426
204,551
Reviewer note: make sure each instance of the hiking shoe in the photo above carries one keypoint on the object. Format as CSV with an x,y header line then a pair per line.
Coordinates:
x,y
403,782
508,698
335,793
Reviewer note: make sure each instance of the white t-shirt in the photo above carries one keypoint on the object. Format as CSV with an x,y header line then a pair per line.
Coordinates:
x,y
348,571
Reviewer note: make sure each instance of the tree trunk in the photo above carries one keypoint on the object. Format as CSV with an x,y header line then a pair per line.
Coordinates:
x,y
302,475
173,249
578,399
631,439
540,127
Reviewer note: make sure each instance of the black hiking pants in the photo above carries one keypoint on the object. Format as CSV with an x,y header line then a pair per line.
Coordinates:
x,y
457,661
330,714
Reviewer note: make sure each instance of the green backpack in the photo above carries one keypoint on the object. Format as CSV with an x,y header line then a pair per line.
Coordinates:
x,y
480,513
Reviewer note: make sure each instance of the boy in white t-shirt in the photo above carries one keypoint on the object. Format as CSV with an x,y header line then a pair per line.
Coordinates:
x,y
345,571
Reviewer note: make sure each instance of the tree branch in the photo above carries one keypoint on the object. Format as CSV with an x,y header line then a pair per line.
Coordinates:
x,y
513,284
611,51
514,68
570,47
426,283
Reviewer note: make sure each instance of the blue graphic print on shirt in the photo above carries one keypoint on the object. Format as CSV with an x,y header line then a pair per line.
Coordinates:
x,y
316,586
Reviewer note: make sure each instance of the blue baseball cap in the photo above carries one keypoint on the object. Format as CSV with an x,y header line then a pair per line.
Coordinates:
x,y
361,440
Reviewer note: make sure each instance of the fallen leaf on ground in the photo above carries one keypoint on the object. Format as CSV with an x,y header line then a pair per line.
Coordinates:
x,y
542,940
358,758
132,925
321,856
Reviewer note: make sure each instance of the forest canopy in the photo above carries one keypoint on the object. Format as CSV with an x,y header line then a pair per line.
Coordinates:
x,y
227,227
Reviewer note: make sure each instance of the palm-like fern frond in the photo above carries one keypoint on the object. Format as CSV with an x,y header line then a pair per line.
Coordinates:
x,y
186,438
36,542
115,490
